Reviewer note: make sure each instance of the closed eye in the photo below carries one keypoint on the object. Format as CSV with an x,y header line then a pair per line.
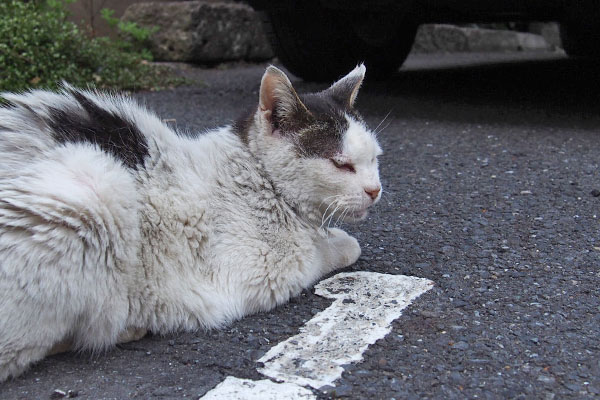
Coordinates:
x,y
343,166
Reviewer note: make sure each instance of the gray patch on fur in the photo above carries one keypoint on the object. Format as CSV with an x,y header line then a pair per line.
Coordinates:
x,y
241,127
111,132
341,91
318,133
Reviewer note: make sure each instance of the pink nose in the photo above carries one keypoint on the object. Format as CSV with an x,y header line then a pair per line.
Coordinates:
x,y
373,193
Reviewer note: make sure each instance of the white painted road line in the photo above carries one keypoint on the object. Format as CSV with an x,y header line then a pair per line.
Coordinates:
x,y
365,305
244,389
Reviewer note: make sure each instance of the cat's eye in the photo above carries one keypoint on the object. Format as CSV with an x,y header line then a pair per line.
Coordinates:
x,y
343,166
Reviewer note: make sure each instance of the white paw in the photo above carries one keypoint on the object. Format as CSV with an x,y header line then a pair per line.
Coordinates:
x,y
344,247
131,334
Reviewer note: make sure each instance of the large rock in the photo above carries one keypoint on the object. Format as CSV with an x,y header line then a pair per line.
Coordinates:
x,y
449,38
550,31
202,31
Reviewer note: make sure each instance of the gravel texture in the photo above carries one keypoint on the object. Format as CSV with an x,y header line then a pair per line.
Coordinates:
x,y
492,191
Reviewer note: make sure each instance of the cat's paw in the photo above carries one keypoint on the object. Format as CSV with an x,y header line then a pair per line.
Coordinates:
x,y
344,247
131,334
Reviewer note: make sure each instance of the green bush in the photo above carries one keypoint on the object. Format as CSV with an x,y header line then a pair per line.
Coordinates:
x,y
39,48
135,38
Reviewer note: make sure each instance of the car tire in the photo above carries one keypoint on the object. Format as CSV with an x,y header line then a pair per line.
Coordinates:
x,y
579,30
319,44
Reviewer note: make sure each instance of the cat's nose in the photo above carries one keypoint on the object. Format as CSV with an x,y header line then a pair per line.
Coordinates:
x,y
373,193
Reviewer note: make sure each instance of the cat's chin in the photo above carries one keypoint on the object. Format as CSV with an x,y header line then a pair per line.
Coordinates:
x,y
357,215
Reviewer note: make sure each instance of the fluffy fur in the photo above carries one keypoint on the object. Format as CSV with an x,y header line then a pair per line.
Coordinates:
x,y
112,224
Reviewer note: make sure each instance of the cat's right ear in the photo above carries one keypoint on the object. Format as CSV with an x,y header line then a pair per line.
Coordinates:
x,y
345,90
278,99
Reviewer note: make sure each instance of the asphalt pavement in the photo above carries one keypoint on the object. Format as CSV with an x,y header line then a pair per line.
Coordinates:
x,y
492,191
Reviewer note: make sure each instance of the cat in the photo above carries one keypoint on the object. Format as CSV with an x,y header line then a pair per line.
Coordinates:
x,y
112,224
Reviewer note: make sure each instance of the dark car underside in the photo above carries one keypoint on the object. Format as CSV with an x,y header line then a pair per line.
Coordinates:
x,y
322,39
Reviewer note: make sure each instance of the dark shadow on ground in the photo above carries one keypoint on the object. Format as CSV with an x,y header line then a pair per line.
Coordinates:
x,y
557,92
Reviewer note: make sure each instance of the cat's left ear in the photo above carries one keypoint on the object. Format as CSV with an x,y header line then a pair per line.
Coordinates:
x,y
345,90
278,99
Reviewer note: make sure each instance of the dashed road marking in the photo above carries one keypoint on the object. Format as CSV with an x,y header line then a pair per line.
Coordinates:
x,y
365,304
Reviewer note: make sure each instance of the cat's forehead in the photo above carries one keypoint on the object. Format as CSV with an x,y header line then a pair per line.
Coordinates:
x,y
323,134
359,142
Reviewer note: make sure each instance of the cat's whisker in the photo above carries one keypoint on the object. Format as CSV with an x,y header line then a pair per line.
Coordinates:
x,y
335,198
330,217
324,218
335,224
382,121
328,197
384,128
342,216
332,214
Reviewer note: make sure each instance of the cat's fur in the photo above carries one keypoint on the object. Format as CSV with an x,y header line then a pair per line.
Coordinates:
x,y
112,224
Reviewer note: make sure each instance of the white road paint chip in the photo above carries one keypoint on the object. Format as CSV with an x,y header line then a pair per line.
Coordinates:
x,y
235,388
365,305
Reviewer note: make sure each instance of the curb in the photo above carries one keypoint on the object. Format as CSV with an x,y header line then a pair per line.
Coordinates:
x,y
434,38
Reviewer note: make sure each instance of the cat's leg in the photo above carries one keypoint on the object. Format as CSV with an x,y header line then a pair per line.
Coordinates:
x,y
38,308
65,223
61,347
131,335
337,250
257,275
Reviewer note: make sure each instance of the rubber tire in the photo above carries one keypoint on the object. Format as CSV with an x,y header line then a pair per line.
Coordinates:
x,y
580,29
580,42
318,44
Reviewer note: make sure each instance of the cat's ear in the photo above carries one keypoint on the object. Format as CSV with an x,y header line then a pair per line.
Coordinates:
x,y
278,99
345,90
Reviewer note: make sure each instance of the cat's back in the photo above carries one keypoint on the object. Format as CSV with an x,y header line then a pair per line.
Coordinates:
x,y
34,123
68,165
69,217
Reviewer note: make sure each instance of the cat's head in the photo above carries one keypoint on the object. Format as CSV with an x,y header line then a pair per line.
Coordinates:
x,y
318,151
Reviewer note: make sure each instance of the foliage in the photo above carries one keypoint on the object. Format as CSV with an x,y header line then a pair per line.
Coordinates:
x,y
40,48
134,38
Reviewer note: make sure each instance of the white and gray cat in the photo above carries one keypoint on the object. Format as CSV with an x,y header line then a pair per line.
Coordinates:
x,y
112,224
